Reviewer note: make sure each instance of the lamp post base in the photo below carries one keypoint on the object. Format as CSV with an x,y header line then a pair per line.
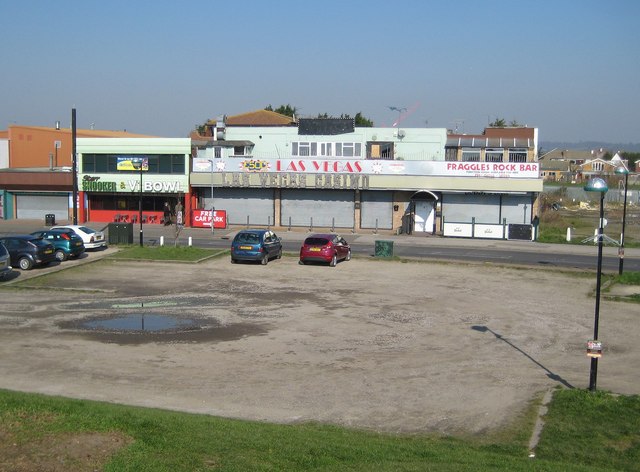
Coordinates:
x,y
593,374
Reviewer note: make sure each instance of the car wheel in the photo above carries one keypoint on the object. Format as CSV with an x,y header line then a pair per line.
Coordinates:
x,y
25,263
301,262
265,259
348,258
334,260
279,256
61,255
233,261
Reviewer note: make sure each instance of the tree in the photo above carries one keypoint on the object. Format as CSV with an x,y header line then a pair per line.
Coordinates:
x,y
359,119
631,157
499,123
362,121
286,110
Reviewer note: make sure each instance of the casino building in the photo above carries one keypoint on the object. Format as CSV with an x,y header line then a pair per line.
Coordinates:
x,y
261,169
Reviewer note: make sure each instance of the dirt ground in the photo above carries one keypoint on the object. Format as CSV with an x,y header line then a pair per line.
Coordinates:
x,y
385,345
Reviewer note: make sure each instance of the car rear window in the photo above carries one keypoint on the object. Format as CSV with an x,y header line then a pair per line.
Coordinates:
x,y
316,241
252,238
86,230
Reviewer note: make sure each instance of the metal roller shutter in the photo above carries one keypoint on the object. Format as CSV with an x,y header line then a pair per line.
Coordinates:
x,y
35,207
460,208
326,207
376,210
516,209
242,203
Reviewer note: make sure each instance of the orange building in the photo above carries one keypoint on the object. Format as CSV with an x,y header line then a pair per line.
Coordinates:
x,y
39,179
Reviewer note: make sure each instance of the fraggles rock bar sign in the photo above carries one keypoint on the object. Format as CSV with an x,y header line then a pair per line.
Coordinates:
x,y
365,167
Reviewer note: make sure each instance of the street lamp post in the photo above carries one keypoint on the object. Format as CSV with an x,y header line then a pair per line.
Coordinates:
x,y
213,209
138,164
597,185
622,170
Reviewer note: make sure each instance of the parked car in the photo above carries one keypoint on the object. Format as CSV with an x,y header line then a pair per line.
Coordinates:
x,y
5,262
329,248
66,244
91,238
27,251
256,245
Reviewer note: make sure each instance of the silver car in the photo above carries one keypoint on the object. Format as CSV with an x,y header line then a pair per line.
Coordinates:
x,y
92,239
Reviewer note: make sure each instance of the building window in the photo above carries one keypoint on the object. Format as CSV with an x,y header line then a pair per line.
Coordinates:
x,y
325,149
517,155
470,155
239,150
217,152
597,166
493,155
108,163
348,149
451,154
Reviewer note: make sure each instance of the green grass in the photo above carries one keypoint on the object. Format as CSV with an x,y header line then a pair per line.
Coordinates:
x,y
167,253
584,432
593,428
629,278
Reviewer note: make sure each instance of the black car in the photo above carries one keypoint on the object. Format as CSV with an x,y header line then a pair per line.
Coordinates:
x,y
27,251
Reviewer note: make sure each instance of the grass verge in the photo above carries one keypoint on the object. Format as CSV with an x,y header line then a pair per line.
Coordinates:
x,y
167,253
584,432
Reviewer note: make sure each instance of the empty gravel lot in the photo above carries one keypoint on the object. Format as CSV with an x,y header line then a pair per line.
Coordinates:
x,y
386,345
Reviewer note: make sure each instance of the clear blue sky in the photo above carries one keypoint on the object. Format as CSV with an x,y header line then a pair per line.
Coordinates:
x,y
570,68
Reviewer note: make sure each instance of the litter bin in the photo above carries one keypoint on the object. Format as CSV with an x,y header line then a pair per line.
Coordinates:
x,y
50,219
384,249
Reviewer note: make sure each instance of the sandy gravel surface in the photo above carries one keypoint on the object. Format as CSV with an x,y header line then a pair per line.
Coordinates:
x,y
375,344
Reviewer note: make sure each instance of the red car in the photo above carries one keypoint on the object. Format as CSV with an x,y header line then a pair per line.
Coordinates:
x,y
329,248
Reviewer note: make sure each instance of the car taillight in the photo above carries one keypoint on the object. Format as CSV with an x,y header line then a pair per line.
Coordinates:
x,y
65,236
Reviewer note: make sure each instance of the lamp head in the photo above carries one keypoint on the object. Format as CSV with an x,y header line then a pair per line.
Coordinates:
x,y
622,170
596,184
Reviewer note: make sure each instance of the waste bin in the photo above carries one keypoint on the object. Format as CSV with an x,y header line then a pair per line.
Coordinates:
x,y
384,249
120,233
50,219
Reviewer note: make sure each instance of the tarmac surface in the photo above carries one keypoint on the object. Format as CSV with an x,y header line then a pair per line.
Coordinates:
x,y
413,346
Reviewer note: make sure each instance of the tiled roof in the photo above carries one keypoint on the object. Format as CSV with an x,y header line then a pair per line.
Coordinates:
x,y
86,133
260,118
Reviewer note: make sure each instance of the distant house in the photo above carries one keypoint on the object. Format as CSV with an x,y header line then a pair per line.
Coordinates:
x,y
576,166
557,170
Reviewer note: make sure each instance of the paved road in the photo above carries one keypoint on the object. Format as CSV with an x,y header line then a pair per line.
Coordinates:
x,y
462,249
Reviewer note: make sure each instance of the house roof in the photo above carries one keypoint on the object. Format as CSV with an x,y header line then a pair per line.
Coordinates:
x,y
510,132
570,154
556,164
259,118
85,133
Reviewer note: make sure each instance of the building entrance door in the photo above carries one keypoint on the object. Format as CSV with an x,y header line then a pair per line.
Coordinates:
x,y
424,216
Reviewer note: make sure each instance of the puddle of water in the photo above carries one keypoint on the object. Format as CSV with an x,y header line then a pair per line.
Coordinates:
x,y
140,322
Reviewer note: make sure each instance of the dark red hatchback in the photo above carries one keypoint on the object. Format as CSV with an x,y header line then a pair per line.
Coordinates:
x,y
329,248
